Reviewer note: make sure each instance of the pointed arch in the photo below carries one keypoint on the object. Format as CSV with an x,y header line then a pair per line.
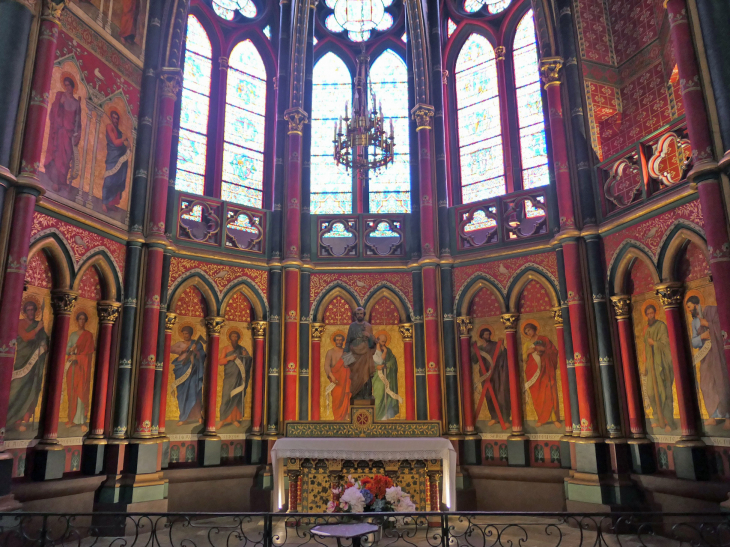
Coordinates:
x,y
477,285
329,296
623,267
673,249
107,274
254,298
200,284
58,260
331,185
518,285
390,295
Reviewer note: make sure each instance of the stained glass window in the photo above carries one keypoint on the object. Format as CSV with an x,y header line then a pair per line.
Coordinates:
x,y
358,17
450,28
267,31
227,8
493,6
192,147
479,121
533,145
390,188
331,185
243,138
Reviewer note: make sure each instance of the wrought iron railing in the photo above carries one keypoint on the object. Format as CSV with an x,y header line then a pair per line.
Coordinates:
x,y
478,529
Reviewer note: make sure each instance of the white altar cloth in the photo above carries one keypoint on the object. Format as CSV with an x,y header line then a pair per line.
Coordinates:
x,y
428,448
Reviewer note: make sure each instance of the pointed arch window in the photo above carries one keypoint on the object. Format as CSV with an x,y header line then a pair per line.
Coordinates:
x,y
331,185
389,190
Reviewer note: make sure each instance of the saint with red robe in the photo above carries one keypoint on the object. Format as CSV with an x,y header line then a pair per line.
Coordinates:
x,y
79,358
337,394
541,365
64,135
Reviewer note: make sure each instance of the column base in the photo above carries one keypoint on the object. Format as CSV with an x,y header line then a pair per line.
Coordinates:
x,y
209,450
121,525
603,491
114,454
592,456
120,490
142,456
49,462
690,461
566,459
265,478
165,442
255,450
518,451
472,453
92,456
643,461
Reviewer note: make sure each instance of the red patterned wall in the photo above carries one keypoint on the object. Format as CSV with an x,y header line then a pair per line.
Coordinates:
x,y
38,273
238,309
384,312
534,298
221,274
90,285
640,280
338,312
693,265
503,271
191,304
361,283
633,25
485,304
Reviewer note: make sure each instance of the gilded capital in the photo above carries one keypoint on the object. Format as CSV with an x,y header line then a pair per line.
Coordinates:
x,y
259,329
108,311
171,82
296,118
558,316
63,301
422,114
621,306
406,331
550,70
214,325
317,330
465,325
170,320
500,52
670,294
509,320
52,10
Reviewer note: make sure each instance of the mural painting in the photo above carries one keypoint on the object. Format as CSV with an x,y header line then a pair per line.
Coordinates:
x,y
489,365
539,368
187,365
123,23
234,398
31,353
706,343
80,358
336,386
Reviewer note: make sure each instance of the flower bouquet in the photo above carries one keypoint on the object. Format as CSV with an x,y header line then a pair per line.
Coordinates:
x,y
370,495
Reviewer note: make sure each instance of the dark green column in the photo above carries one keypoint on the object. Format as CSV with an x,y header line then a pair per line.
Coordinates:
x,y
304,346
274,365
419,348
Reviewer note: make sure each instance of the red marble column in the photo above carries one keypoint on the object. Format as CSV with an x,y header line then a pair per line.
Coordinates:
x,y
622,309
558,318
406,332
467,381
509,320
259,359
670,295
581,345
293,491
63,302
170,320
433,350
108,314
156,241
705,171
317,329
291,343
213,326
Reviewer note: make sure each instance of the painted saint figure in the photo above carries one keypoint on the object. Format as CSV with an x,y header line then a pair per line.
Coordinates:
x,y
337,393
541,365
236,363
79,357
128,25
64,135
358,356
707,338
189,368
118,151
385,380
489,362
31,352
658,371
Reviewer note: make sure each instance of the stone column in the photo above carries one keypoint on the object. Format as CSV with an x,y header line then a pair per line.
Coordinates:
x,y
317,329
170,320
517,444
406,332
562,361
209,446
259,361
467,381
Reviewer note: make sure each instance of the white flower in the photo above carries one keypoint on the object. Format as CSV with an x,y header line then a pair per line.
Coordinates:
x,y
405,505
393,494
354,497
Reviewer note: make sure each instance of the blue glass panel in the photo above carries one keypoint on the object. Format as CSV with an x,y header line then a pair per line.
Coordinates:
x,y
329,177
537,176
529,105
244,128
451,27
527,69
225,7
245,58
479,221
335,204
534,146
478,122
359,17
193,110
242,166
475,51
240,194
525,33
267,32
197,73
383,230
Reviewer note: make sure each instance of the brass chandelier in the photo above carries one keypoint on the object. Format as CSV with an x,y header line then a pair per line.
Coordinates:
x,y
364,144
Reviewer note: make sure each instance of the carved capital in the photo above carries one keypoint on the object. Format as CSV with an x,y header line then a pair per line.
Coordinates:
x,y
406,331
317,330
296,118
52,10
621,306
509,320
558,316
422,114
170,320
670,294
465,325
171,82
108,311
499,52
259,329
63,301
213,325
550,70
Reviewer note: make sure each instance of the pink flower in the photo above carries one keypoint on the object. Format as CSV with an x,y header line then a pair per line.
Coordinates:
x,y
331,507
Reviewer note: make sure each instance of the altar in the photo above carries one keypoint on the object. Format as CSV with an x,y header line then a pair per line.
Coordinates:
x,y
315,455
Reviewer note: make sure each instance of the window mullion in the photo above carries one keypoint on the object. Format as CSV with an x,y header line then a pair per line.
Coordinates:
x,y
217,130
